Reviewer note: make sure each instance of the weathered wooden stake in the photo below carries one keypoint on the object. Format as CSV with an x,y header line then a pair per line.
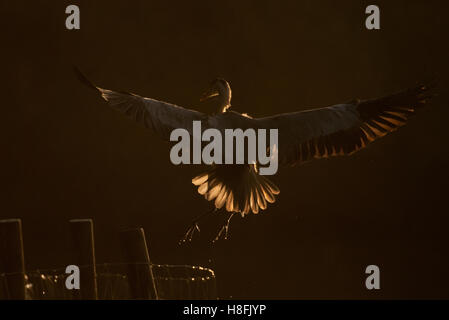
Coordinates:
x,y
83,253
12,261
140,274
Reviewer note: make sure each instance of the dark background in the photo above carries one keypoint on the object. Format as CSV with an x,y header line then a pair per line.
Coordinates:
x,y
65,154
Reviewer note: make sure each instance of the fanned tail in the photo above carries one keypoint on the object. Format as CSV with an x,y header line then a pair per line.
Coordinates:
x,y
238,188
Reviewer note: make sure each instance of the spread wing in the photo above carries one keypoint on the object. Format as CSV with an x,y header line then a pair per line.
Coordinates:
x,y
342,129
161,117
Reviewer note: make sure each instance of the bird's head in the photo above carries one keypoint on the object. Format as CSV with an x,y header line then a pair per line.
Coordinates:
x,y
219,89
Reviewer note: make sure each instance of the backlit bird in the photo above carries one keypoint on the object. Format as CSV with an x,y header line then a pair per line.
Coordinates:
x,y
340,129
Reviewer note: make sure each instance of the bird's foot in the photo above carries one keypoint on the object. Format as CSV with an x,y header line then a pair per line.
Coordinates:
x,y
224,231
188,236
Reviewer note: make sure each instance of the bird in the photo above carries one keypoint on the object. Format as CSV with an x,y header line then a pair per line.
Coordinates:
x,y
336,130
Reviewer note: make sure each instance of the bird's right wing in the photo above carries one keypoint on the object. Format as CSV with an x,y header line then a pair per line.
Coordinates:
x,y
161,117
342,129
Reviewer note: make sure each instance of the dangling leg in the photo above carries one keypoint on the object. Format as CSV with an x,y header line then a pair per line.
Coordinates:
x,y
188,236
224,229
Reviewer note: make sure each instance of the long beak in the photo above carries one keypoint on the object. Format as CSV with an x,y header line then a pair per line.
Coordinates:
x,y
209,95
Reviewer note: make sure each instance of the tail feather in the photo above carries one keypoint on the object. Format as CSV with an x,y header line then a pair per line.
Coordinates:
x,y
238,188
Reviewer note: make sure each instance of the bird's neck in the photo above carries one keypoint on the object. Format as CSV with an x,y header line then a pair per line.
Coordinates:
x,y
224,100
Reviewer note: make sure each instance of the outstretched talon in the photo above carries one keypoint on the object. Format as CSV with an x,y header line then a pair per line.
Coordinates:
x,y
188,236
224,230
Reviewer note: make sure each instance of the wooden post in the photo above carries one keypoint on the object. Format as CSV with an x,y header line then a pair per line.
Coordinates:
x,y
83,253
140,274
12,261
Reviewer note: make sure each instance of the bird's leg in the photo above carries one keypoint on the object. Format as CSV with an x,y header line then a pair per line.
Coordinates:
x,y
188,236
224,229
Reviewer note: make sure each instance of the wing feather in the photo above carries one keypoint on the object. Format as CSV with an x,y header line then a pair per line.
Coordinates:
x,y
159,116
344,128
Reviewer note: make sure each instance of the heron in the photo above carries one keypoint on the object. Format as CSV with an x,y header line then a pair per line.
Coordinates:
x,y
336,130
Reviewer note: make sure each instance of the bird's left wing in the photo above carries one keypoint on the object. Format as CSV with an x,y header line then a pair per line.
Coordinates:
x,y
161,117
341,129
